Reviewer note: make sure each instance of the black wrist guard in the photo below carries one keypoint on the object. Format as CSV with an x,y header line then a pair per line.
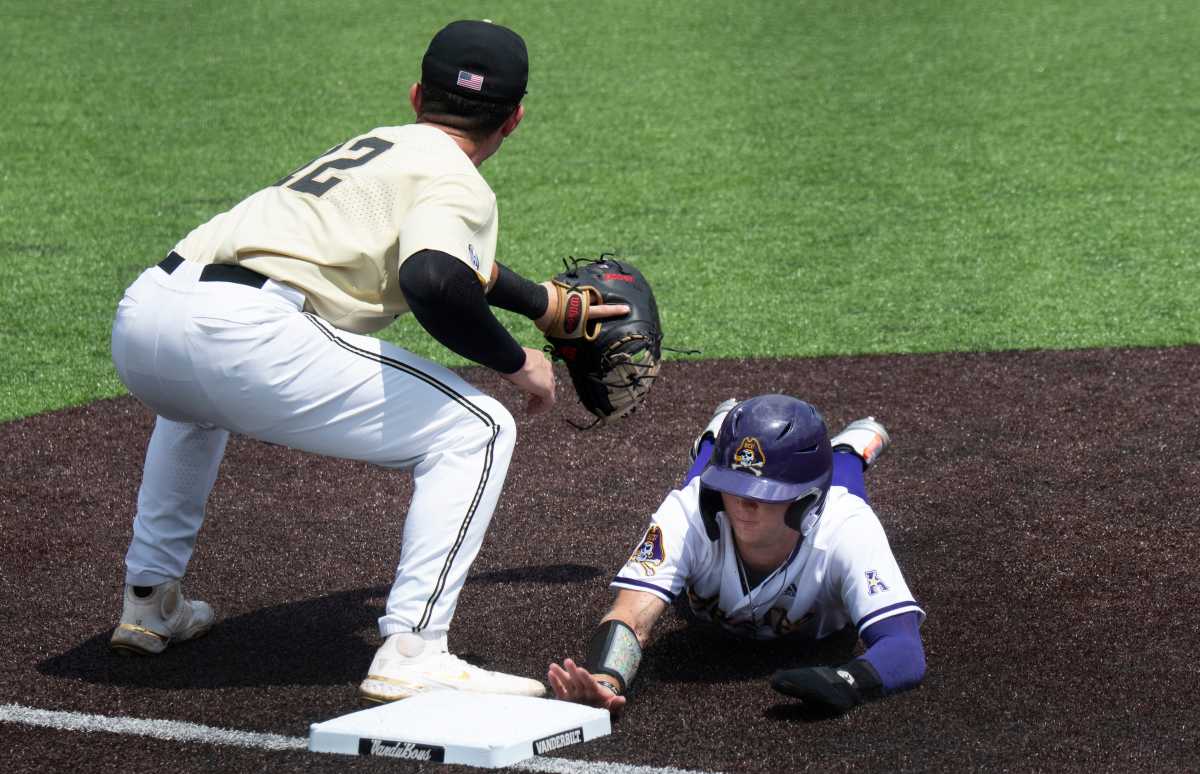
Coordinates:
x,y
614,650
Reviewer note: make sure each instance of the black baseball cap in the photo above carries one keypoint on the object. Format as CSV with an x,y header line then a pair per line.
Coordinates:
x,y
478,60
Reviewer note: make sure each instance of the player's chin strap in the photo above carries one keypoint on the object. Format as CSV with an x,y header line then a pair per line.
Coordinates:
x,y
614,651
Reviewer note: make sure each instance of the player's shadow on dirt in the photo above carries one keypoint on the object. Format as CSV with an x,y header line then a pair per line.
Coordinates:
x,y
324,641
698,654
798,712
552,573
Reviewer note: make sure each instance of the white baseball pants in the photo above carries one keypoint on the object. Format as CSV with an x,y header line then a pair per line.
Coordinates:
x,y
212,358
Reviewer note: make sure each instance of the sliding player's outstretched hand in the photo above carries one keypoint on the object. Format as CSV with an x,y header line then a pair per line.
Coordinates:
x,y
572,682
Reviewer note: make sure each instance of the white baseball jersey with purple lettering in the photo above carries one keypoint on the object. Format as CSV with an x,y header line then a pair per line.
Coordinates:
x,y
842,572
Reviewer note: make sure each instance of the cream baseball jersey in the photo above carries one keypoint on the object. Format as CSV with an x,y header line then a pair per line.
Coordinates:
x,y
338,228
842,572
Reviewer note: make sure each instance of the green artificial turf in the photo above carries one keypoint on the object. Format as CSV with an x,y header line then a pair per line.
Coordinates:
x,y
796,178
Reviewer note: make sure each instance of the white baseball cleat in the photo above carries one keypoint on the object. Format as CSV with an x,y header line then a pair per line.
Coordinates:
x,y
408,664
149,624
714,424
865,437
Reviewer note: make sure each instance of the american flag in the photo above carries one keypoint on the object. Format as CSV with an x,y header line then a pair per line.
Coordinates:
x,y
470,80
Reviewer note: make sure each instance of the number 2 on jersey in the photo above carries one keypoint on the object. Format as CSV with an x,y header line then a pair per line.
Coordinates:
x,y
311,183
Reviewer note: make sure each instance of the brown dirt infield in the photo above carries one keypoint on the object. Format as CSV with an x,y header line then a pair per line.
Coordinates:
x,y
1043,506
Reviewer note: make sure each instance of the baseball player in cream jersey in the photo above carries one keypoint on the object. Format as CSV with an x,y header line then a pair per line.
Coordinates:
x,y
256,323
770,536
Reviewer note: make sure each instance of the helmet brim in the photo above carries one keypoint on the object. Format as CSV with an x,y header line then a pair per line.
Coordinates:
x,y
747,485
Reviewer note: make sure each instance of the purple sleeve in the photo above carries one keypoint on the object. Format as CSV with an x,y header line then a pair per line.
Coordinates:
x,y
702,455
894,649
848,472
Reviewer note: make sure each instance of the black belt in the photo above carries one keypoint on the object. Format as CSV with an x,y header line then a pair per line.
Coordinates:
x,y
217,272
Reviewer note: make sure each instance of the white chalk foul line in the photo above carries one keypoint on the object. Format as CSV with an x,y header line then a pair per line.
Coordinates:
x,y
173,730
179,731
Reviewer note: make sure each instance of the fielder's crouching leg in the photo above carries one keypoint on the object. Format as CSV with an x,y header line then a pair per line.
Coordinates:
x,y
457,484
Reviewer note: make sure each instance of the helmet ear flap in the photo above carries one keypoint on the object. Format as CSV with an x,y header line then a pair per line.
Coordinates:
x,y
803,513
710,503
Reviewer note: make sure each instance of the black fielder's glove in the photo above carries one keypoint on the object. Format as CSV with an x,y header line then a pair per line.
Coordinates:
x,y
835,689
612,362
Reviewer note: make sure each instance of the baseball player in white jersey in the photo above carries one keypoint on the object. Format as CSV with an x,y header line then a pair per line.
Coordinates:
x,y
256,324
770,536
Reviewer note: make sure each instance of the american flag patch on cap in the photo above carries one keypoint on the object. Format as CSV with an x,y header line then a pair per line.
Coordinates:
x,y
470,80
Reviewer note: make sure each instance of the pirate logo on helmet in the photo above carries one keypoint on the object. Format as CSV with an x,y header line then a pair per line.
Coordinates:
x,y
749,456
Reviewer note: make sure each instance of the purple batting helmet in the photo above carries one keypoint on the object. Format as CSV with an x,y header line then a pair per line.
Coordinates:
x,y
771,448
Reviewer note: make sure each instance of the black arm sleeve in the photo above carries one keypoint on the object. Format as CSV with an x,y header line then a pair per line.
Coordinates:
x,y
446,298
513,292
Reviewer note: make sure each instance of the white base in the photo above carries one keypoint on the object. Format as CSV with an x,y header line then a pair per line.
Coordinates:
x,y
475,729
